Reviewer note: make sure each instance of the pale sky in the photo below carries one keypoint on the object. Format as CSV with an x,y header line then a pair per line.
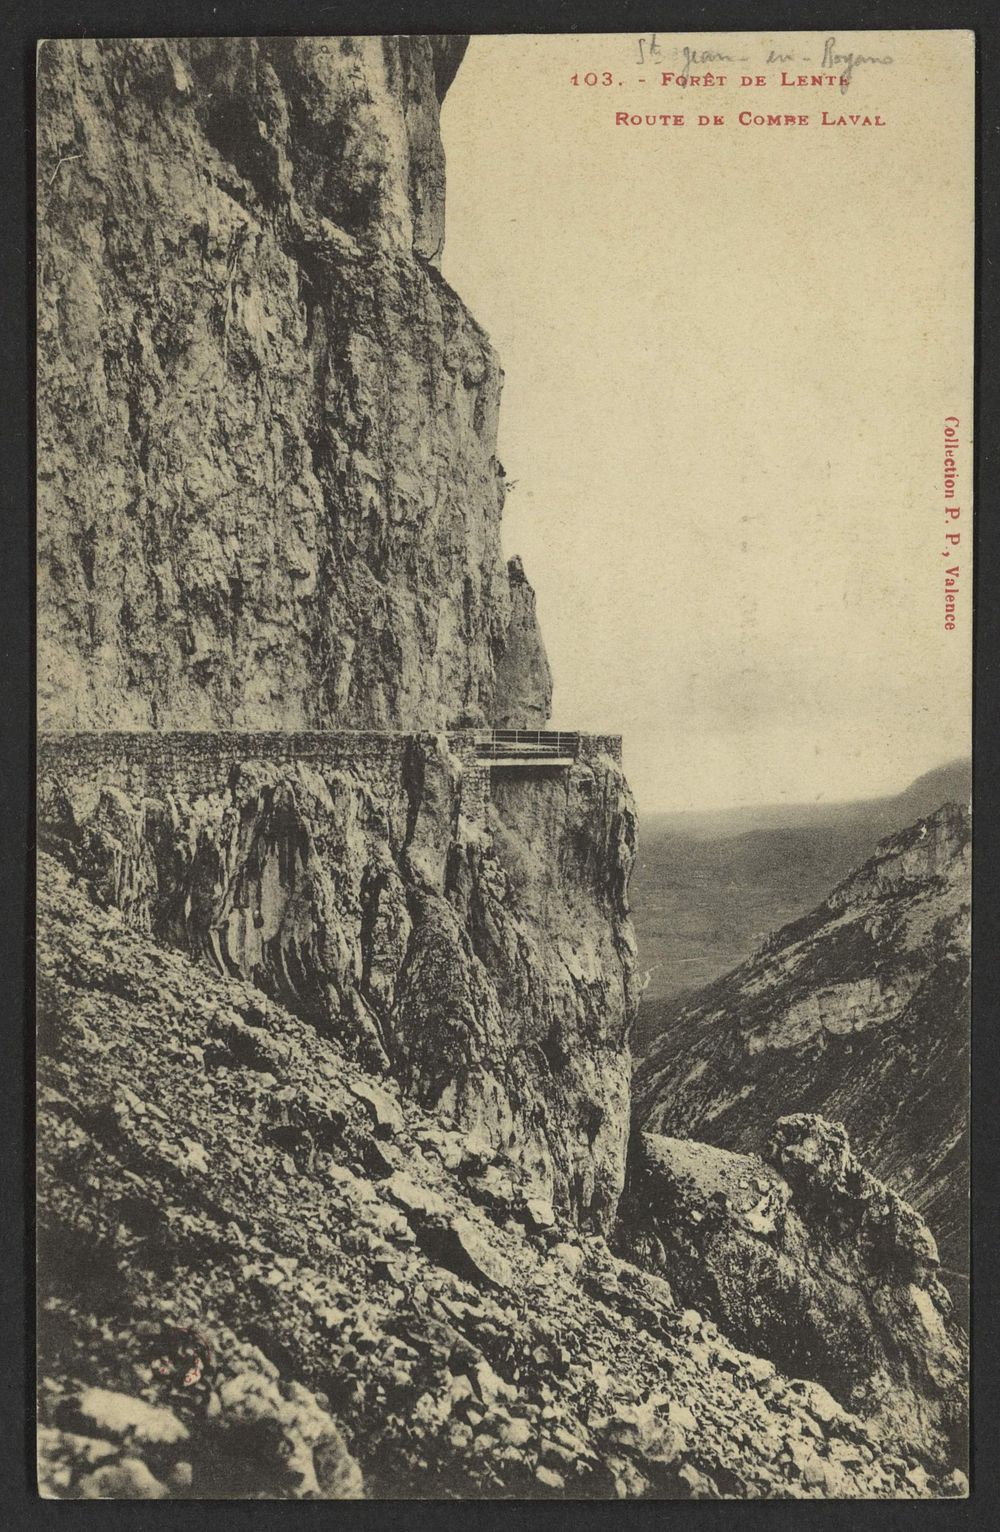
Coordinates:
x,y
729,355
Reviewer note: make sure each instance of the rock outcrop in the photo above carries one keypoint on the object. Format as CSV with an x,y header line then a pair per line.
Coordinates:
x,y
814,1265
265,1273
270,501
524,680
858,1012
268,489
333,1018
486,964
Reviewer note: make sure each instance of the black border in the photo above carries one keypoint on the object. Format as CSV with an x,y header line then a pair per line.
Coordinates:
x,y
22,24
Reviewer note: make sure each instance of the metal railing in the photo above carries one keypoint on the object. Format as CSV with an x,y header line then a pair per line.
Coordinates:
x,y
526,744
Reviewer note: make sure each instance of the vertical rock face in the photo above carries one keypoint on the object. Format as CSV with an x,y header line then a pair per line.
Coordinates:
x,y
487,965
268,491
524,680
270,500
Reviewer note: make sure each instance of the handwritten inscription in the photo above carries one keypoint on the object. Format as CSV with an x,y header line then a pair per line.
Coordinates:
x,y
848,62
703,70
696,56
840,66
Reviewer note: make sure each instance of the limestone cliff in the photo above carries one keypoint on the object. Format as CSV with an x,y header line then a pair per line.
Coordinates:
x,y
858,1011
481,953
334,1006
270,501
268,489
524,681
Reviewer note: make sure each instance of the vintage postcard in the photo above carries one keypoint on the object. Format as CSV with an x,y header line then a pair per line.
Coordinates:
x,y
504,664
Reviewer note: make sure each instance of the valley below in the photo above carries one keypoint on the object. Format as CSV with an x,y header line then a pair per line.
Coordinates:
x,y
708,886
365,1168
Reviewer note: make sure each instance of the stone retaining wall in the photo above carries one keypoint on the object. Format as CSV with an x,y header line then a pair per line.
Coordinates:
x,y
151,764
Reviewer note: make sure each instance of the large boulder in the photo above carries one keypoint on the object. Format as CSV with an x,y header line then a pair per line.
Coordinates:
x,y
806,1259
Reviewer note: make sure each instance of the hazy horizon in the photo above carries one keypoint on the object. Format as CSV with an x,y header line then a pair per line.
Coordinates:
x,y
723,414
808,803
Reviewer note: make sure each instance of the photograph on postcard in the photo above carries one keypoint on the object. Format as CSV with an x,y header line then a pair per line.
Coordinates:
x,y
504,702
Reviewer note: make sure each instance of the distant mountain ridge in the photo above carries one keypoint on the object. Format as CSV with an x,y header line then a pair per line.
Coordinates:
x,y
950,783
708,886
857,1011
